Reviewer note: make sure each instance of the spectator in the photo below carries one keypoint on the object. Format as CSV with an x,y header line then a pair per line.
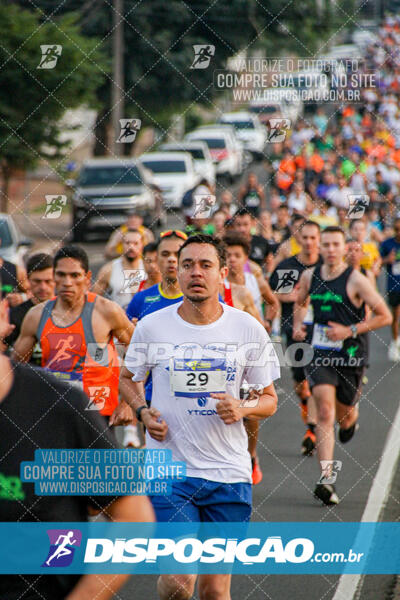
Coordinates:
x,y
114,247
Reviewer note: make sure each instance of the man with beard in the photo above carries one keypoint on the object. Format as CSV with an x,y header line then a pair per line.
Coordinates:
x,y
123,275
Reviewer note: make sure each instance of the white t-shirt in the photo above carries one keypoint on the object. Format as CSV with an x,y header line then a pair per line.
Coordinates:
x,y
168,345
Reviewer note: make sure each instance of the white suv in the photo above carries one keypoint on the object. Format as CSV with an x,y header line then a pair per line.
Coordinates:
x,y
248,129
226,154
203,162
174,173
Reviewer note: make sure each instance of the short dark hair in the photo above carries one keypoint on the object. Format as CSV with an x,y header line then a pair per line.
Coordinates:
x,y
283,206
234,239
334,229
312,223
202,238
151,247
242,212
39,262
296,217
75,252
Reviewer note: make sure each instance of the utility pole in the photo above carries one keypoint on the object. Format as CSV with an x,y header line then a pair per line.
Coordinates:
x,y
117,94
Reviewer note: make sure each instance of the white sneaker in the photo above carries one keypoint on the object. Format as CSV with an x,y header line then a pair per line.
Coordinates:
x,y
394,352
131,437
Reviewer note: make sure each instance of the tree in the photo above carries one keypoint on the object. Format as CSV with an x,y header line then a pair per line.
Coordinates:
x,y
159,39
34,99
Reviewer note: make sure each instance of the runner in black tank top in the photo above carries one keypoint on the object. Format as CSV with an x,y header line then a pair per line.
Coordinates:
x,y
338,295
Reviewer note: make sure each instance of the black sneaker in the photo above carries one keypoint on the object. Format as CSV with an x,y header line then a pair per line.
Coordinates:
x,y
308,444
326,493
345,435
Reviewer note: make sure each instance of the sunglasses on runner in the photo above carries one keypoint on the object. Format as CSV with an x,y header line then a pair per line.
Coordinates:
x,y
170,232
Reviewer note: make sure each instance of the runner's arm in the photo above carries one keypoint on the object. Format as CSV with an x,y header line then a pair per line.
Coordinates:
x,y
250,307
301,304
103,279
372,298
26,341
266,292
283,252
132,392
102,587
110,251
121,327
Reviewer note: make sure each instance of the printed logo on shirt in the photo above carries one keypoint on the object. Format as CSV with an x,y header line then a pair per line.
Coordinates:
x,y
62,547
11,488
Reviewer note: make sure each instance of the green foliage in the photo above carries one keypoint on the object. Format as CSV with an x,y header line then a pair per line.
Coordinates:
x,y
33,100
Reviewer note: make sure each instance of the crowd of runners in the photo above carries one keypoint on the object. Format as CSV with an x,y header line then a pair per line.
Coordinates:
x,y
177,336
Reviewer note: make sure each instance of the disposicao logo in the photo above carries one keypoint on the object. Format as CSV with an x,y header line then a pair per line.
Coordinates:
x,y
62,547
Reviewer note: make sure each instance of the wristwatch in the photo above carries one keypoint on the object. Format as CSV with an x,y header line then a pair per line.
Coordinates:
x,y
139,412
354,332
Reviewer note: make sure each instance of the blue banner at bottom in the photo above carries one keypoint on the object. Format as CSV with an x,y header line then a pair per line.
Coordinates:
x,y
153,548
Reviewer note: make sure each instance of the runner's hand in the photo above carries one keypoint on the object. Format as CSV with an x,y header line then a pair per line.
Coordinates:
x,y
300,334
154,424
5,327
337,332
228,409
14,299
122,415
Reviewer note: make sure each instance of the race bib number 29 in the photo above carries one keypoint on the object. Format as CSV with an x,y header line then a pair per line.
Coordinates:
x,y
321,340
195,378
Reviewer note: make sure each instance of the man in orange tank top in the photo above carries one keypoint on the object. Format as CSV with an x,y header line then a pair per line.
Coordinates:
x,y
76,330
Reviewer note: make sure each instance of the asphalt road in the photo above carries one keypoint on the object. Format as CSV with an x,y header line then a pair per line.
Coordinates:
x,y
285,494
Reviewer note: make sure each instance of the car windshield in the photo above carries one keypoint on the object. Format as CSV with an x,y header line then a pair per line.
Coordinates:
x,y
197,153
110,176
270,108
241,124
5,234
215,143
165,166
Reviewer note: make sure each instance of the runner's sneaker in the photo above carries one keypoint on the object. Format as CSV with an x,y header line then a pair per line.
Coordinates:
x,y
131,437
326,493
257,474
308,443
345,435
394,352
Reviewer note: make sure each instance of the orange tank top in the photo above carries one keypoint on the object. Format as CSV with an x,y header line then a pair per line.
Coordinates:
x,y
72,354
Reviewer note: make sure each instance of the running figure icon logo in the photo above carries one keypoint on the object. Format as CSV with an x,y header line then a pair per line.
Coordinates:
x,y
54,206
287,280
62,547
278,129
203,204
98,396
203,54
50,56
129,129
329,470
357,205
65,349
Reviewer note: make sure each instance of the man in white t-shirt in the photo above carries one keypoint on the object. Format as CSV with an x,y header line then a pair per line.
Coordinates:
x,y
199,352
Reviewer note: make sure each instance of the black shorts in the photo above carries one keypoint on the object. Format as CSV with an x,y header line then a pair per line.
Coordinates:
x,y
347,381
394,299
